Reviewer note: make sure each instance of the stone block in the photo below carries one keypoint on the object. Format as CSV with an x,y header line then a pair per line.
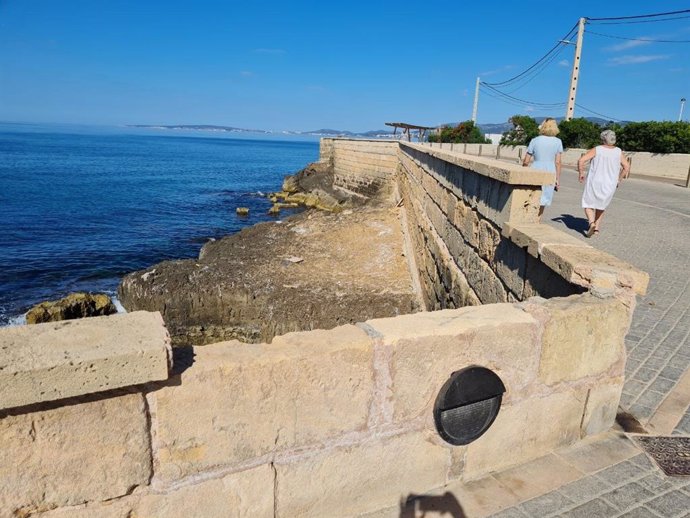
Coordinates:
x,y
302,389
246,493
534,236
522,206
602,406
483,279
353,480
489,238
540,280
584,336
526,430
71,454
428,347
467,221
57,360
588,266
510,264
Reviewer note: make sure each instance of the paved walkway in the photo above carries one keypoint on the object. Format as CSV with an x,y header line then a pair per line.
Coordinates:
x,y
648,225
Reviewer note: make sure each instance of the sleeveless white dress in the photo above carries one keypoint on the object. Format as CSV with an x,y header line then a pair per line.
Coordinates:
x,y
602,178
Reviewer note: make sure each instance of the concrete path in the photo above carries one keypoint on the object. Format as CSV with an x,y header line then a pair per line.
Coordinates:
x,y
648,225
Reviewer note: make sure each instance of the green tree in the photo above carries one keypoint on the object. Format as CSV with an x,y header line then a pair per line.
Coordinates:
x,y
525,128
580,133
466,132
655,137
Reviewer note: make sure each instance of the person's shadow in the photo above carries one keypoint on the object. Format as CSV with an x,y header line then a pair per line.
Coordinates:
x,y
441,506
580,225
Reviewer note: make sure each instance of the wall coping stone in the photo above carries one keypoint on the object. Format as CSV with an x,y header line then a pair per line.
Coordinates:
x,y
502,171
57,360
575,261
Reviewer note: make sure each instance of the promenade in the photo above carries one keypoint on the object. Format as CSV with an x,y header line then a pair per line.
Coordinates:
x,y
648,225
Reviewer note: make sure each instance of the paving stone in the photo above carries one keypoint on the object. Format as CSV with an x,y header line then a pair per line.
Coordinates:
x,y
625,497
594,508
547,504
513,512
675,503
620,473
584,489
640,512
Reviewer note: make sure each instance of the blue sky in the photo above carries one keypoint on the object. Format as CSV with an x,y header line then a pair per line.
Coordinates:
x,y
307,65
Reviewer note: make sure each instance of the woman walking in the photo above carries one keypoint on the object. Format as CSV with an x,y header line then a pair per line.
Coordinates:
x,y
608,167
546,150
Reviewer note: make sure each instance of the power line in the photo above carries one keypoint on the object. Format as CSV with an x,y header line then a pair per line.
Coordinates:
x,y
545,56
653,15
597,113
528,79
641,21
637,39
524,101
519,104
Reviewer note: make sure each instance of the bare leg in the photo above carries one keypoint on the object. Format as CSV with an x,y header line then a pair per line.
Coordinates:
x,y
590,215
599,214
541,211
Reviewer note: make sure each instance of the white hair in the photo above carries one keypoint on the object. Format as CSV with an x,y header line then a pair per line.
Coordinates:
x,y
608,137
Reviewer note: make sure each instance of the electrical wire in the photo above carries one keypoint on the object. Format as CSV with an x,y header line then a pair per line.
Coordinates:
x,y
640,21
536,74
653,15
520,105
637,39
608,117
523,101
544,57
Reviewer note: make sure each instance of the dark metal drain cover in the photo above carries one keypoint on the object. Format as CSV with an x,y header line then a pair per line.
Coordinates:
x,y
467,405
672,454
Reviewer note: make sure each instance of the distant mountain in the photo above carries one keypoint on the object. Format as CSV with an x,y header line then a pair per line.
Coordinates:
x,y
345,133
507,126
198,127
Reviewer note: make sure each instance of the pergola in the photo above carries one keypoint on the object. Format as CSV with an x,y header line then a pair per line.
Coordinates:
x,y
407,129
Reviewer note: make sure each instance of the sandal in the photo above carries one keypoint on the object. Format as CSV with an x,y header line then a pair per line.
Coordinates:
x,y
591,230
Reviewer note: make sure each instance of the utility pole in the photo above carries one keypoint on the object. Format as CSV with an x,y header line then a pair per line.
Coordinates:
x,y
572,93
682,105
476,102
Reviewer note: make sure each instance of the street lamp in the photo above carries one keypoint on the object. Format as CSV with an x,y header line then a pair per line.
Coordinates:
x,y
682,105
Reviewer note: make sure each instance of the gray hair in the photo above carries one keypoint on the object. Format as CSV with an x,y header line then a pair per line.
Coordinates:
x,y
608,137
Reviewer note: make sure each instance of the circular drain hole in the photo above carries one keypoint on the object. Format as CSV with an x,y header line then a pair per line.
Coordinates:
x,y
467,405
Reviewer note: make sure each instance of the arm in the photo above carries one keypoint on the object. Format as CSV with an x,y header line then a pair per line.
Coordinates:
x,y
526,161
583,160
558,170
625,168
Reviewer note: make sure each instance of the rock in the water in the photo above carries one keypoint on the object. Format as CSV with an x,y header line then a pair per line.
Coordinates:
x,y
74,305
242,211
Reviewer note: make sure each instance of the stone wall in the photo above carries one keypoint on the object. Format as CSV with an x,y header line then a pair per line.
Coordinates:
x,y
667,166
339,422
363,166
321,423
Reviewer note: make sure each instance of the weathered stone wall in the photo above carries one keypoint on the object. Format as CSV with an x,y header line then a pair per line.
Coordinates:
x,y
321,423
329,423
364,166
666,166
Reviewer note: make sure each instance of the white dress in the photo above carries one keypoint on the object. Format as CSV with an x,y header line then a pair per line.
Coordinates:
x,y
602,178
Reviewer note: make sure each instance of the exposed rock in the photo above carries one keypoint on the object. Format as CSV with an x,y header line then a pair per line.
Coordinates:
x,y
242,211
249,286
74,305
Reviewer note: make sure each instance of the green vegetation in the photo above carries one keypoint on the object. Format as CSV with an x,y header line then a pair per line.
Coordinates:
x,y
525,128
649,136
465,132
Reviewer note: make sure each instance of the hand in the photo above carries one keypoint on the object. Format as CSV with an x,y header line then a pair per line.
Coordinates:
x,y
581,177
557,185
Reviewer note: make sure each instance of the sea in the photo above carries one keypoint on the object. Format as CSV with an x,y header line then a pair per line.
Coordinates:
x,y
81,206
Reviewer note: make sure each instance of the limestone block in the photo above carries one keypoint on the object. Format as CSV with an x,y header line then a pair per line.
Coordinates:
x,y
302,389
602,406
56,360
348,481
534,236
526,430
543,281
588,266
583,337
244,494
522,206
467,221
72,454
483,279
510,263
429,347
489,238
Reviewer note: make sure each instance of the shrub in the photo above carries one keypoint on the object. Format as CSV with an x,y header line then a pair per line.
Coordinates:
x,y
465,132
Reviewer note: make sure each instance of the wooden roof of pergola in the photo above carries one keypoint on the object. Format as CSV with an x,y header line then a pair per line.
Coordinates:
x,y
407,129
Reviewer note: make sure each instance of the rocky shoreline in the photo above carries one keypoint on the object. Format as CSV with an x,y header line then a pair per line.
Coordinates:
x,y
343,263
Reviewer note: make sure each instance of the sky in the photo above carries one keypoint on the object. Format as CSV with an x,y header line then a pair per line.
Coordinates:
x,y
299,65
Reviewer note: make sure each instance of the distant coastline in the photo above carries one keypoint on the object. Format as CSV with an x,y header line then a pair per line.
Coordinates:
x,y
231,129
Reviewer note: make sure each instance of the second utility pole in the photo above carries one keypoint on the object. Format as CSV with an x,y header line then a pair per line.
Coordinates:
x,y
572,93
476,102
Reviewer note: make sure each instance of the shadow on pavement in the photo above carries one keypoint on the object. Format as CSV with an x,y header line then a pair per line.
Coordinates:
x,y
573,223
416,506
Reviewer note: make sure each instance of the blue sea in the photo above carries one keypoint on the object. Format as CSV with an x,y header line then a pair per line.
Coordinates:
x,y
80,207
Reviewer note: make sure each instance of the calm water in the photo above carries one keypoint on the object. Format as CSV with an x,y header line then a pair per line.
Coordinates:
x,y
80,208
